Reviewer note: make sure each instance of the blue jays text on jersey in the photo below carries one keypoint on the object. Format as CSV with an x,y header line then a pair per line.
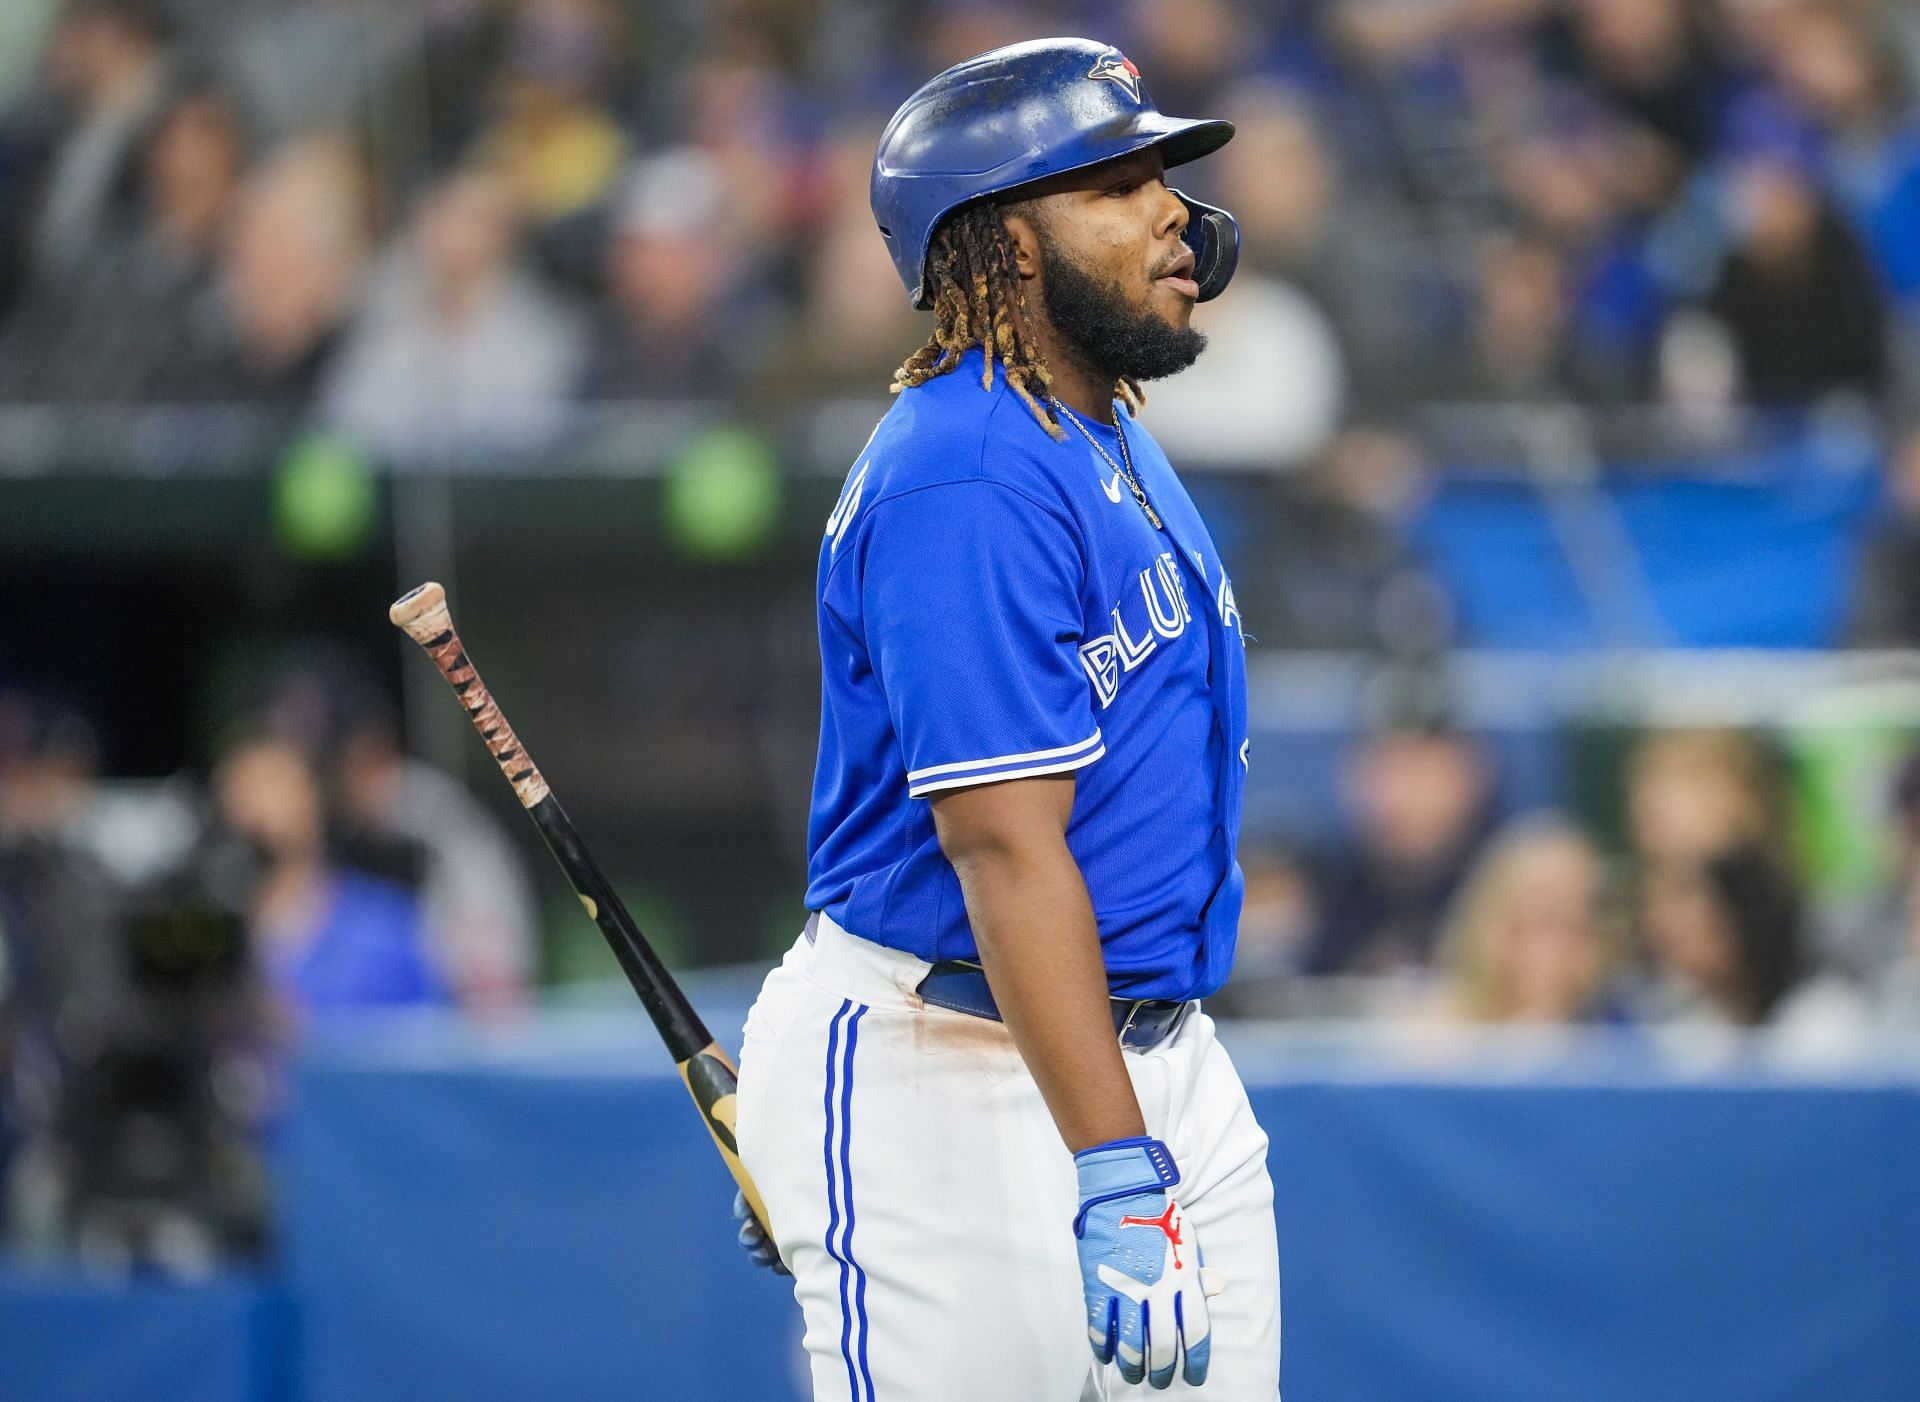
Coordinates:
x,y
993,604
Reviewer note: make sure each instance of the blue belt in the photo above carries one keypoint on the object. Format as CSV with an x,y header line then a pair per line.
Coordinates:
x,y
1141,1023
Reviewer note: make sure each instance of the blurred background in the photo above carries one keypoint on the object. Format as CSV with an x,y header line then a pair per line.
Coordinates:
x,y
1562,431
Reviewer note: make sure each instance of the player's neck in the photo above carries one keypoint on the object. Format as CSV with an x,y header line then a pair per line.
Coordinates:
x,y
1083,388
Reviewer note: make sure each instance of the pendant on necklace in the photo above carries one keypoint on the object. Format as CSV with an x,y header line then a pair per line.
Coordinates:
x,y
1133,480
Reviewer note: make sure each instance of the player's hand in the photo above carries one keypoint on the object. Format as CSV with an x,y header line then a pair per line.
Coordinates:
x,y
1140,1264
754,1240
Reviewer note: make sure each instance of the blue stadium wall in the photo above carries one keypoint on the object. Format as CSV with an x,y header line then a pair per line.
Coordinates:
x,y
547,1223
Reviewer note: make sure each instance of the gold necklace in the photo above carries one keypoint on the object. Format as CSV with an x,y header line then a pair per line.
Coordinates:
x,y
1126,471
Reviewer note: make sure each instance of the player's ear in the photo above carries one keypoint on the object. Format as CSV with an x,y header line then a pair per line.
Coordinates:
x,y
1023,226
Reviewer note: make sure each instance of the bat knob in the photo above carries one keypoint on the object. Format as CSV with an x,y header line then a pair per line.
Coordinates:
x,y
421,611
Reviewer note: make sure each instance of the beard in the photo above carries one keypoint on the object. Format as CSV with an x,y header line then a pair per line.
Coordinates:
x,y
1110,335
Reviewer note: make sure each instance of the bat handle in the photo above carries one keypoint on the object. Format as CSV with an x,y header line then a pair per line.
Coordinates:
x,y
421,613
715,1084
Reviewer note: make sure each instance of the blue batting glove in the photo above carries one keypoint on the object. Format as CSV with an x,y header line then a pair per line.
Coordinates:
x,y
1140,1264
754,1240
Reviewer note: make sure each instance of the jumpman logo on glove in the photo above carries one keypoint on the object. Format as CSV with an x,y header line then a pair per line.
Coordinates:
x,y
1169,1224
1140,1265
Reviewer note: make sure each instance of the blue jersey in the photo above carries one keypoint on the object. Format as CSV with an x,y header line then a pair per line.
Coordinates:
x,y
994,604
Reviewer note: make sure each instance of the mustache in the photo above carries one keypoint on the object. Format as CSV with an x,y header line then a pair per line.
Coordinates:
x,y
1180,260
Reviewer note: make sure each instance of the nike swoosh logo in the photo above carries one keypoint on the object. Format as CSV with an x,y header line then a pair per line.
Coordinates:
x,y
1112,489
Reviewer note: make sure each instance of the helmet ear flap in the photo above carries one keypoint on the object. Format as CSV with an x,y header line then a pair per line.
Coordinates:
x,y
1214,238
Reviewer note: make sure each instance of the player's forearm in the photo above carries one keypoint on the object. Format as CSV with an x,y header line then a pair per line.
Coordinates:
x,y
1034,926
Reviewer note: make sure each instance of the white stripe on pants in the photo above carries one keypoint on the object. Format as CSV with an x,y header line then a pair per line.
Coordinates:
x,y
922,1197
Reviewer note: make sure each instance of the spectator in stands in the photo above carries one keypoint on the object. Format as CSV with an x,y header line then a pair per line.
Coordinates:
x,y
475,891
193,168
1417,795
139,320
1351,247
458,350
1573,182
1651,60
1729,950
738,107
108,70
1795,289
149,314
1528,940
324,938
1886,594
403,819
553,136
294,264
1281,182
1190,49
1841,67
855,325
1693,794
682,318
1521,347
1439,86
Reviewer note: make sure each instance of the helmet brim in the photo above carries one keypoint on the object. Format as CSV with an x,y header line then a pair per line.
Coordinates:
x,y
1185,138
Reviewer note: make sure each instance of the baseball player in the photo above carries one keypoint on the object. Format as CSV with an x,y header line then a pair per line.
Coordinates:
x,y
1002,1154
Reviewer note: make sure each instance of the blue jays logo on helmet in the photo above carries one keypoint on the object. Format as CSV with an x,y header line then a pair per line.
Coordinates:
x,y
1116,67
1021,114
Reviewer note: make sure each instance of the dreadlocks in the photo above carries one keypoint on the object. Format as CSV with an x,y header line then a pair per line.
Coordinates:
x,y
978,301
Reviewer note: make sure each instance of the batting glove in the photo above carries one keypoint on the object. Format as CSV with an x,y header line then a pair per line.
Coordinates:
x,y
1140,1264
754,1239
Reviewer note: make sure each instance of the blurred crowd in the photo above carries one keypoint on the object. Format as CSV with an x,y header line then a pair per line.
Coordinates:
x,y
1696,912
440,227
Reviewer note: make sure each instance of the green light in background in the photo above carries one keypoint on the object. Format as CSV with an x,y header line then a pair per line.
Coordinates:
x,y
723,493
324,499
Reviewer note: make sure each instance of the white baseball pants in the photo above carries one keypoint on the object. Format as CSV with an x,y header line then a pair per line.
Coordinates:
x,y
924,1201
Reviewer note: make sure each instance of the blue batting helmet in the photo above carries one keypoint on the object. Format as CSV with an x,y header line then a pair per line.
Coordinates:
x,y
1020,114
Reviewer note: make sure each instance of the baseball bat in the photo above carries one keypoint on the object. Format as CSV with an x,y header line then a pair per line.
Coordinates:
x,y
709,1074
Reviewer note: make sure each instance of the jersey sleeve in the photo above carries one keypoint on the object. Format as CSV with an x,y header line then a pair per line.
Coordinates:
x,y
970,600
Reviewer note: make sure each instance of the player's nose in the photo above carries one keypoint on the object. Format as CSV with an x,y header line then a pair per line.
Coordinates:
x,y
1169,212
